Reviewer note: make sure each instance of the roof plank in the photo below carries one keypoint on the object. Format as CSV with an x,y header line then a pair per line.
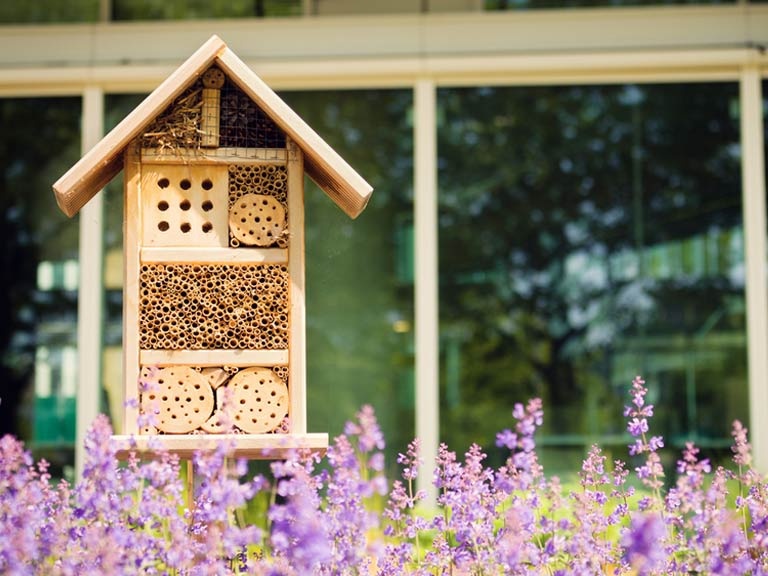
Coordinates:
x,y
102,162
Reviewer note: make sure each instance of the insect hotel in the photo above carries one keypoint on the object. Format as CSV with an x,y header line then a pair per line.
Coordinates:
x,y
213,165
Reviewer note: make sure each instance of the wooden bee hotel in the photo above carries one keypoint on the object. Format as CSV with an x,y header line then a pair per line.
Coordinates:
x,y
213,163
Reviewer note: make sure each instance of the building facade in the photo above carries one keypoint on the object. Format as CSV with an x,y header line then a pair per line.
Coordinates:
x,y
565,196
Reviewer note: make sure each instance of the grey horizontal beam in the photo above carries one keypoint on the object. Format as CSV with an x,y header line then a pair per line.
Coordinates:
x,y
387,36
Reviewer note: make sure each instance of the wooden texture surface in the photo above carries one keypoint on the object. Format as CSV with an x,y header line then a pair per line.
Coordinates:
x,y
297,339
103,162
131,264
195,255
214,357
185,206
253,446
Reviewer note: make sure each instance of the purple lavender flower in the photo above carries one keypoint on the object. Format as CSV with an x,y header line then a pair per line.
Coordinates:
x,y
134,518
742,450
367,430
299,533
355,480
651,472
643,544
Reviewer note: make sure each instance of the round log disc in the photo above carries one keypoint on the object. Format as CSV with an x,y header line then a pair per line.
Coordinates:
x,y
259,400
182,400
257,220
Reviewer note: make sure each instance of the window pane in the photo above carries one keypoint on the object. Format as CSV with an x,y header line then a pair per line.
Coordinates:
x,y
117,107
201,9
38,296
359,272
39,11
588,234
538,4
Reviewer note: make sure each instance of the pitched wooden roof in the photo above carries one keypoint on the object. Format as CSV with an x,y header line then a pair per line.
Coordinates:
x,y
105,160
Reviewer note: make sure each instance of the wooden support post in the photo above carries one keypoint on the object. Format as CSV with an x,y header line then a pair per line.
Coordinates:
x,y
132,263
213,80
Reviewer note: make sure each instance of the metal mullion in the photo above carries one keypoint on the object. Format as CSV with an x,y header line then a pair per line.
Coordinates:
x,y
426,280
754,206
90,290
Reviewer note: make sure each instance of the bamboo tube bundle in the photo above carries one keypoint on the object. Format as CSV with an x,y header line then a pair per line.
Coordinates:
x,y
213,306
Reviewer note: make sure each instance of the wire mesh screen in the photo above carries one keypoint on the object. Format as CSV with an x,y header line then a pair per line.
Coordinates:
x,y
242,124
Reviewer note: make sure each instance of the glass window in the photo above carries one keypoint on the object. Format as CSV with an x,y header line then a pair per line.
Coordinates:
x,y
589,234
201,9
45,11
40,140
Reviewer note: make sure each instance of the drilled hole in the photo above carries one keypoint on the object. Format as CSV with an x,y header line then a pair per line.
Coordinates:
x,y
163,226
185,184
185,227
162,205
207,184
207,227
207,206
185,205
163,183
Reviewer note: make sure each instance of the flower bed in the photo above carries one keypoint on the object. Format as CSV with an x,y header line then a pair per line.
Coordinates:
x,y
345,517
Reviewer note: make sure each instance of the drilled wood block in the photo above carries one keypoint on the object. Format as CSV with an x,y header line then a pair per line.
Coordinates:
x,y
180,399
185,205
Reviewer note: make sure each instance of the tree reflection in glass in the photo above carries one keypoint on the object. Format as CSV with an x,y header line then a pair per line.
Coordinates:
x,y
588,234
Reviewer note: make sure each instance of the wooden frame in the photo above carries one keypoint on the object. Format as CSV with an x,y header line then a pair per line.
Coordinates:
x,y
196,277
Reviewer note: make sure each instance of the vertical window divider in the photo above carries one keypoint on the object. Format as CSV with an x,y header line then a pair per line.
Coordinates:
x,y
756,283
90,286
426,281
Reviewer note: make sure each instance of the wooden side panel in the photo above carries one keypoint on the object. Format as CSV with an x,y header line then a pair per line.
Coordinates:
x,y
131,248
297,337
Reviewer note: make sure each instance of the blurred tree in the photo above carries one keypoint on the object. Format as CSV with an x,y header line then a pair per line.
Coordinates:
x,y
359,299
552,200
40,138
